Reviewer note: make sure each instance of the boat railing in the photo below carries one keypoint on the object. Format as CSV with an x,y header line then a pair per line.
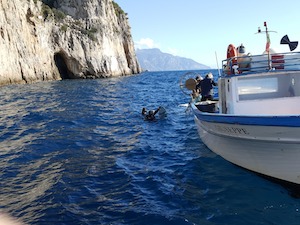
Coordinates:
x,y
261,63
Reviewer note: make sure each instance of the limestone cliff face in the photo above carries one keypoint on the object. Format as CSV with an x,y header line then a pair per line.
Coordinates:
x,y
57,39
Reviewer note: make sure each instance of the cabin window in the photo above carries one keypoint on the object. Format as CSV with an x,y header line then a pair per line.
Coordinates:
x,y
270,86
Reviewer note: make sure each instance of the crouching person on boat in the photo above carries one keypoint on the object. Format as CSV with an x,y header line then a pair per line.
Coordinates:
x,y
207,85
150,115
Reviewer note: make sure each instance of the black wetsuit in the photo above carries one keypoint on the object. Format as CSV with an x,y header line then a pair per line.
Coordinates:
x,y
149,115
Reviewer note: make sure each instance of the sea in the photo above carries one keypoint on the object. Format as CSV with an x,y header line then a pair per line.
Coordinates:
x,y
80,152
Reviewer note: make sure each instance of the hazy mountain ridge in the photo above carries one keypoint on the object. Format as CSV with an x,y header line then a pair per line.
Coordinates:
x,y
156,60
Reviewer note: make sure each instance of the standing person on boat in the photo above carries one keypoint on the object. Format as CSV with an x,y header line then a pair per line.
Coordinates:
x,y
206,85
197,91
198,83
150,115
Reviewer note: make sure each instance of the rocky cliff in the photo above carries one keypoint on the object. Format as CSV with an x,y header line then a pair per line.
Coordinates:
x,y
62,39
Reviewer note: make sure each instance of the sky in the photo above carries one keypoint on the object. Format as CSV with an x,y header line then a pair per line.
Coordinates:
x,y
203,29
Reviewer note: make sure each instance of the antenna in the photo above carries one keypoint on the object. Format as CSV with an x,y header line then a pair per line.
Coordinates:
x,y
217,64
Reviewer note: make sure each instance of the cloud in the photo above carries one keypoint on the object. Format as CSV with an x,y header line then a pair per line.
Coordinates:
x,y
146,43
173,51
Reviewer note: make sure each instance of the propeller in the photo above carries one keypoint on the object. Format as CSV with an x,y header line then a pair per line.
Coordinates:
x,y
292,44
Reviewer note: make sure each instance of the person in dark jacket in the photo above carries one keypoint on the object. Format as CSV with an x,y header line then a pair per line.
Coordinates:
x,y
207,85
150,115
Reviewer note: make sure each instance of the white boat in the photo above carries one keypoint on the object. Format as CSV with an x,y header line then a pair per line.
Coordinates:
x,y
255,123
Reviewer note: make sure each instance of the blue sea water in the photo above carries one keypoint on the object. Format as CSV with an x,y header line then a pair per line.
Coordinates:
x,y
79,152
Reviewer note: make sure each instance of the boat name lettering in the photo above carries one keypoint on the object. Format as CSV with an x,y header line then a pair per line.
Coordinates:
x,y
232,130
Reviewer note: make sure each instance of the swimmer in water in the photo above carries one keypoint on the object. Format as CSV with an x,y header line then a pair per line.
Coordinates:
x,y
150,115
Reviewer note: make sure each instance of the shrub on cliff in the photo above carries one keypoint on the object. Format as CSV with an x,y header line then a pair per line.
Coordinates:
x,y
119,11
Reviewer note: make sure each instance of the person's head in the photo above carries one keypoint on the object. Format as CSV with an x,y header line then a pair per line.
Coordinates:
x,y
209,76
199,78
151,112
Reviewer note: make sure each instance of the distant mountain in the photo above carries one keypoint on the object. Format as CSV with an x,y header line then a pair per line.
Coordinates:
x,y
155,60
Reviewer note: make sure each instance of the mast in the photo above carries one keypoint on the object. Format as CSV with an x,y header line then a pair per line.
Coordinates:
x,y
268,45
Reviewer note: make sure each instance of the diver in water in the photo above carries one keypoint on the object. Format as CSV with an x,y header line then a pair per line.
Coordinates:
x,y
150,115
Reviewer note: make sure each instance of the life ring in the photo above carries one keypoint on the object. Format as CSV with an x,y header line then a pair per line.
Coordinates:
x,y
231,58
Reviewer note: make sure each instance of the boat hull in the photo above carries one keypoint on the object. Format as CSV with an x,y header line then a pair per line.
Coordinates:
x,y
269,150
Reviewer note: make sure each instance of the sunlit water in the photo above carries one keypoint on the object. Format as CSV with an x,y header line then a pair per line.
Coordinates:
x,y
79,152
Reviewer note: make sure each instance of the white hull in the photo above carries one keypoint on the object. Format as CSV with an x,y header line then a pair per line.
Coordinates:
x,y
272,151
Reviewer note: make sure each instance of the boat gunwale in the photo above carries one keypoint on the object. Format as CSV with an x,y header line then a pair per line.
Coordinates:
x,y
254,120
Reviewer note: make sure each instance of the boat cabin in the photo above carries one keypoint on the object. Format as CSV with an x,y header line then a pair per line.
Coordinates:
x,y
260,90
